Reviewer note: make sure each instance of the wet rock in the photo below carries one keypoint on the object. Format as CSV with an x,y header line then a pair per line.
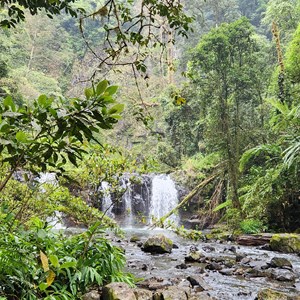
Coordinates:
x,y
142,294
118,291
139,244
226,272
239,257
208,248
158,244
245,261
213,266
280,262
194,256
254,240
198,281
171,293
289,243
269,294
135,239
154,283
175,246
145,267
283,275
181,266
201,296
92,295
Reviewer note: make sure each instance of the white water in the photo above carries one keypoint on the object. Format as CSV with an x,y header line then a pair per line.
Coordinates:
x,y
164,197
107,203
127,198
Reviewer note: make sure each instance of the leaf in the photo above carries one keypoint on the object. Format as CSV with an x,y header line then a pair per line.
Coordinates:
x,y
44,260
8,102
21,137
118,108
68,264
43,286
54,261
88,93
112,89
101,87
44,101
223,205
50,278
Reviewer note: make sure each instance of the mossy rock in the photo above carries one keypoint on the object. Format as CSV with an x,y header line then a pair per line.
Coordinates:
x,y
158,244
269,294
288,243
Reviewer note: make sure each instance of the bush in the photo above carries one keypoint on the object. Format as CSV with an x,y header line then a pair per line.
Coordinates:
x,y
36,263
251,226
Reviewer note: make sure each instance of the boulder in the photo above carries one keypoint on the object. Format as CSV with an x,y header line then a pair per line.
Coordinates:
x,y
198,281
171,293
289,243
134,238
269,294
142,294
280,262
92,295
158,244
118,291
283,275
194,256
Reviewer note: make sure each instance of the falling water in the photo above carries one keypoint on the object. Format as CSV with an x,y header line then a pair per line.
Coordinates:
x,y
164,197
107,203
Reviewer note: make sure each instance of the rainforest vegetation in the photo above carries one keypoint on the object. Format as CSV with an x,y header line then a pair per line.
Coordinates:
x,y
93,90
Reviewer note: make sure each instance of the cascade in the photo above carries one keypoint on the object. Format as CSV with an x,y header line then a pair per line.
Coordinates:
x,y
146,197
107,203
164,196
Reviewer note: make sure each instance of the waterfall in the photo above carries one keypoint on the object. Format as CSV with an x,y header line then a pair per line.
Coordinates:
x,y
107,203
164,197
146,197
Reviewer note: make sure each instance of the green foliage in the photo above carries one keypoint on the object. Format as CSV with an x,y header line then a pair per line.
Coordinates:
x,y
49,132
37,263
252,226
15,10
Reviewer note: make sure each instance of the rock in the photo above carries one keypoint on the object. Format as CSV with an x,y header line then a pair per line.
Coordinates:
x,y
239,257
227,272
198,281
181,266
280,262
135,239
171,293
289,243
254,240
208,248
283,275
142,294
144,267
194,256
118,291
139,244
175,246
92,295
269,294
213,266
201,296
158,244
154,283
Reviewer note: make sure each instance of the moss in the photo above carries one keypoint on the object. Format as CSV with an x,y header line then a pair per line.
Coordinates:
x,y
285,243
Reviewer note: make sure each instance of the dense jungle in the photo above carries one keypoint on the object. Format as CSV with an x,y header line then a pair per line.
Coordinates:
x,y
142,136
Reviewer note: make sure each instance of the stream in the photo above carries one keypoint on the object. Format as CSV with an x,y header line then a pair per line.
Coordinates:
x,y
225,287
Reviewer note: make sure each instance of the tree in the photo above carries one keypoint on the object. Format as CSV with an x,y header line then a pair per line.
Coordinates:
x,y
228,70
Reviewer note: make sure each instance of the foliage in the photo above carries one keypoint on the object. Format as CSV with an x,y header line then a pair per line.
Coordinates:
x,y
14,11
37,263
252,226
48,133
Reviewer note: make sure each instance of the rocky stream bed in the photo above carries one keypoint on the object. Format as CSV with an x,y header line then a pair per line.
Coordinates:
x,y
206,270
